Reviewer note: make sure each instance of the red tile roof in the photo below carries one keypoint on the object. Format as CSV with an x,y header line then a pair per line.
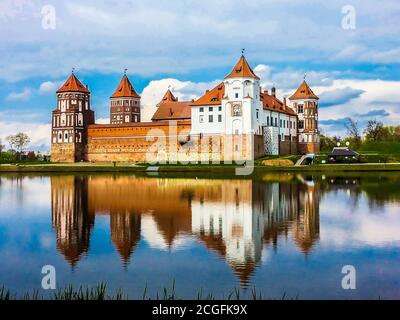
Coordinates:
x,y
303,92
211,97
125,89
170,109
168,96
73,85
272,103
242,70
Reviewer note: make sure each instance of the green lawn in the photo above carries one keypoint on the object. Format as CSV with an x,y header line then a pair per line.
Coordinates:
x,y
382,148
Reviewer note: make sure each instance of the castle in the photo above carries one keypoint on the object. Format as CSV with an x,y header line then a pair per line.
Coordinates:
x,y
235,121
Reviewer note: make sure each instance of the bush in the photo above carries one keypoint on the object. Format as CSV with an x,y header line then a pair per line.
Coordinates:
x,y
278,163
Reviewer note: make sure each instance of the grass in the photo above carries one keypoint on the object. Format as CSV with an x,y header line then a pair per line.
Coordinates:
x,y
100,293
382,148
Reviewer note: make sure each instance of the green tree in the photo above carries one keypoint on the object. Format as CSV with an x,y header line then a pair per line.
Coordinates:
x,y
374,131
327,143
19,141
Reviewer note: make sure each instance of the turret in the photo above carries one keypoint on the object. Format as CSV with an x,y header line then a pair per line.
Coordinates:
x,y
305,103
70,121
124,103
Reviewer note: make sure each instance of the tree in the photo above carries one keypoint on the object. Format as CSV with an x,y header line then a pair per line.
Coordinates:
x,y
327,143
374,131
353,132
19,141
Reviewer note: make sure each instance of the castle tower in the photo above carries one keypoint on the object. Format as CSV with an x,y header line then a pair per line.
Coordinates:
x,y
124,103
241,100
305,103
70,121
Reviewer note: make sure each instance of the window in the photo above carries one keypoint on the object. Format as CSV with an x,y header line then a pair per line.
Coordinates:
x,y
257,114
236,148
301,124
280,123
220,118
276,122
300,108
237,131
219,108
236,95
267,121
210,109
201,109
201,119
210,118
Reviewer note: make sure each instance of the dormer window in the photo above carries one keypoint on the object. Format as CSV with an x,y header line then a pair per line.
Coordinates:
x,y
236,95
300,108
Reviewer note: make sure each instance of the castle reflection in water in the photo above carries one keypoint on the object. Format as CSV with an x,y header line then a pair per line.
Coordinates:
x,y
233,218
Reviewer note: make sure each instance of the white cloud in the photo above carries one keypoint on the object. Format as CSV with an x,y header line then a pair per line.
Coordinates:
x,y
103,121
39,133
380,95
49,87
24,95
161,37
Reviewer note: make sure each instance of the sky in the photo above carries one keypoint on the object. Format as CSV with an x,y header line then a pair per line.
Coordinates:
x,y
349,51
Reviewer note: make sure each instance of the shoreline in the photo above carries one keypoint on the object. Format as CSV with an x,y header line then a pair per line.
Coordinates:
x,y
129,168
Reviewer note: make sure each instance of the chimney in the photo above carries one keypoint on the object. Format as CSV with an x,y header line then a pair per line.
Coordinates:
x,y
273,91
284,103
176,99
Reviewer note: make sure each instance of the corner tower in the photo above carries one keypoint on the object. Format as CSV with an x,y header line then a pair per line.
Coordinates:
x,y
124,103
305,103
70,121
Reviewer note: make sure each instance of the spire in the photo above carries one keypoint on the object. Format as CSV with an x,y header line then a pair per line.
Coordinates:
x,y
169,97
73,85
303,92
242,69
125,89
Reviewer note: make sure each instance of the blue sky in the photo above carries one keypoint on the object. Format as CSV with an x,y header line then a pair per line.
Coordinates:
x,y
190,45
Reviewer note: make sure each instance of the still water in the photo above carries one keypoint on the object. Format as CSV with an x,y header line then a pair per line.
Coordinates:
x,y
283,234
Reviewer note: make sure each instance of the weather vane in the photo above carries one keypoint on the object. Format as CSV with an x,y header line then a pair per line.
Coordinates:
x,y
243,50
73,70
305,76
125,70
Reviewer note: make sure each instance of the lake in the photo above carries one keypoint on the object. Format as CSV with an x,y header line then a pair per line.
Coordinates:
x,y
280,233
